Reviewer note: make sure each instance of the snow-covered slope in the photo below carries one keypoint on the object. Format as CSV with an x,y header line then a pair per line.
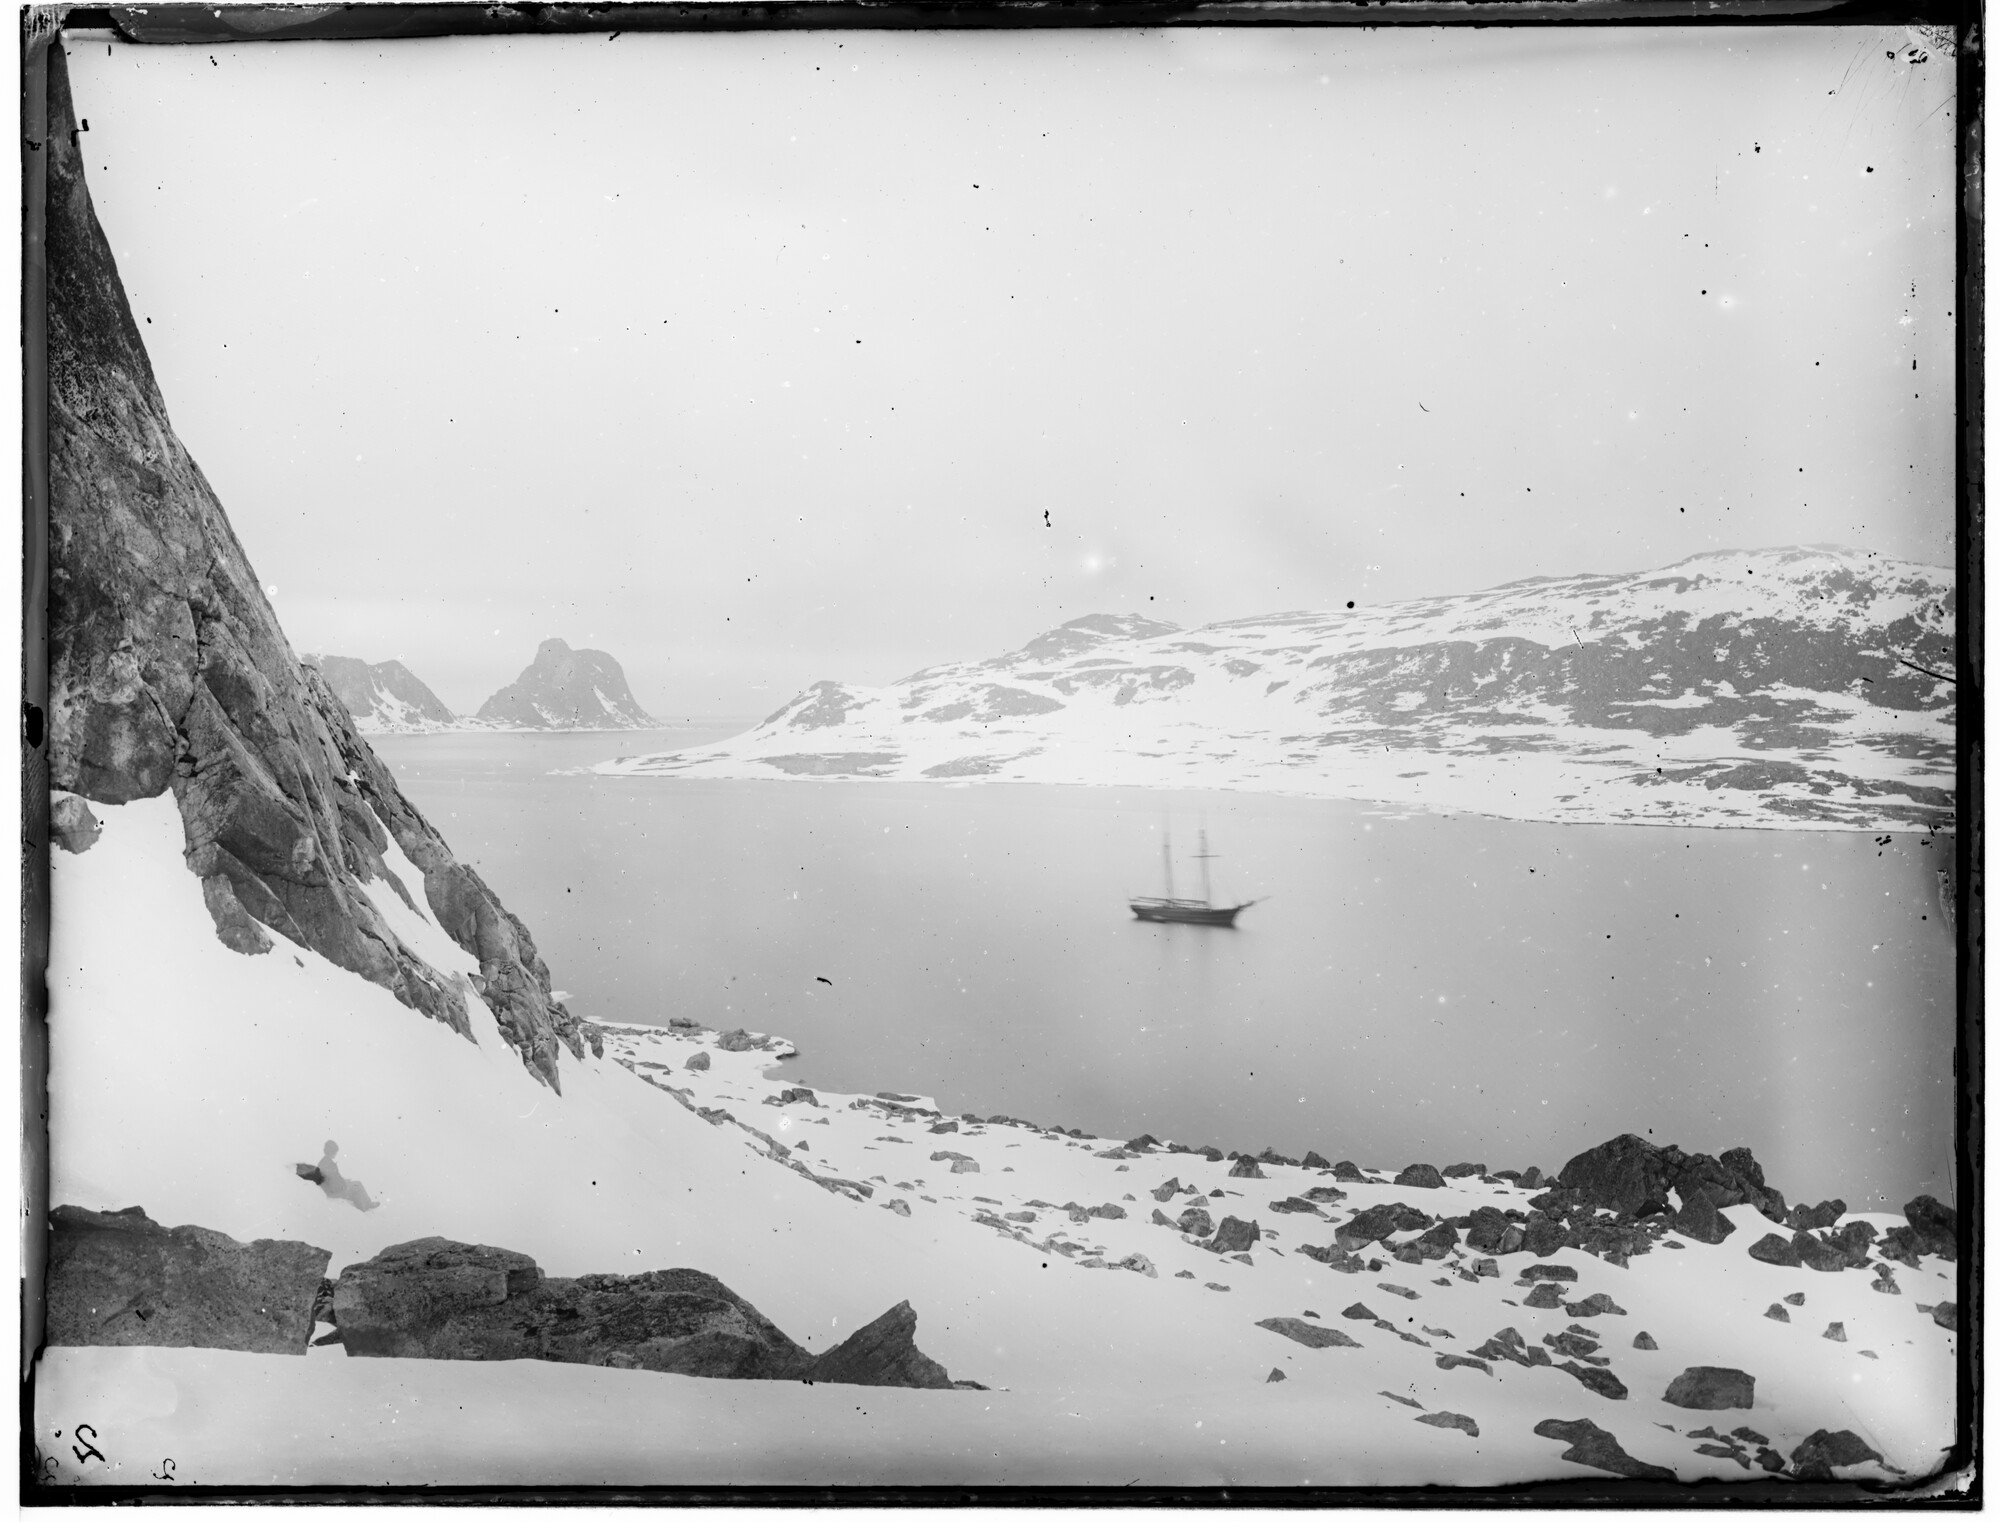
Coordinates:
x,y
385,698
565,689
190,1079
1765,687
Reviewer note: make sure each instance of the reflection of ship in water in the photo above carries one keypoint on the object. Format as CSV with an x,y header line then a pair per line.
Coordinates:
x,y
1188,911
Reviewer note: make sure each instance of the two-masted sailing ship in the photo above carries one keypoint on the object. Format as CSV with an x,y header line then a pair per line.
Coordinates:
x,y
1188,911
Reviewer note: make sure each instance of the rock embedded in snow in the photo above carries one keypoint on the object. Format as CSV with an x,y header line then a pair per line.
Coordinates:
x,y
1305,1333
699,1063
1776,1250
1420,1176
1234,1236
1449,1361
1544,1297
1945,1314
1245,1167
1348,1173
1602,1381
1276,1376
1594,1305
1700,1221
120,1279
1820,1454
1778,1313
1709,1388
1835,1332
1815,1217
1645,1344
1591,1445
1452,1420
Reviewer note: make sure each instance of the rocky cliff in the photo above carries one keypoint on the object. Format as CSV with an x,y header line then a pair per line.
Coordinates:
x,y
567,689
168,670
385,697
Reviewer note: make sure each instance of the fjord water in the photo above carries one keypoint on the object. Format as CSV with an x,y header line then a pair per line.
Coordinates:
x,y
1416,986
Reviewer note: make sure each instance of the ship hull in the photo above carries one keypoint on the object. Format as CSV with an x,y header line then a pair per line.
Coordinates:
x,y
1185,912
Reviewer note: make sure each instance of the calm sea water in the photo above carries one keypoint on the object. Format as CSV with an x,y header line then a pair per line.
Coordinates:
x,y
1415,987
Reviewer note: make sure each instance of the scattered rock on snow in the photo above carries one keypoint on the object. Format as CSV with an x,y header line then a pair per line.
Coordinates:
x,y
1420,1176
1819,1455
1449,1361
1233,1236
1305,1333
72,826
1775,1250
1778,1313
1603,1381
1594,1305
1276,1376
698,1063
1450,1419
1245,1167
1645,1344
1835,1332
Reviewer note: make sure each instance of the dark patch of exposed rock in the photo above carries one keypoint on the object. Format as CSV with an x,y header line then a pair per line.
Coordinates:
x,y
1797,1297
1348,1173
1276,1376
1396,1289
1645,1344
1509,1344
1276,1158
1748,1435
700,1062
1819,1455
1835,1332
1196,1222
1402,1399
1449,1361
1591,1445
1360,1312
1304,1332
1314,1160
1160,1217
1935,1227
1233,1236
1819,1254
1776,1250
1550,1272
1594,1305
1145,1141
1451,1419
1420,1176
960,1163
737,1040
1293,1205
72,826
1325,1194
1778,1313
1544,1297
435,1298
1602,1381
1379,1221
168,670
1437,1242
1945,1314
1245,1167
1465,1170
1168,1190
119,1279
1707,1388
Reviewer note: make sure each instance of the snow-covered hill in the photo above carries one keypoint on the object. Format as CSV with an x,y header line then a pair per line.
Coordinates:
x,y
565,689
384,698
1765,687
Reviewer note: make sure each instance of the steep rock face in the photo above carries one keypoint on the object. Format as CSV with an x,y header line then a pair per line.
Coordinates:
x,y
435,1298
384,697
168,670
567,689
118,1279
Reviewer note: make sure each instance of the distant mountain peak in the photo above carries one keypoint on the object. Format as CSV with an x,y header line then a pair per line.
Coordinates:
x,y
386,697
1093,629
566,688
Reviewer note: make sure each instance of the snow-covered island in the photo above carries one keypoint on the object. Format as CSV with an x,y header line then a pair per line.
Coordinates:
x,y
1806,688
560,689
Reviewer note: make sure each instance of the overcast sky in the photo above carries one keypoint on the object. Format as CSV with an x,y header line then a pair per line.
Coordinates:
x,y
763,358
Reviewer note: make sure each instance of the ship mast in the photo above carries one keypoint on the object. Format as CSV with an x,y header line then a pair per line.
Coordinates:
x,y
1167,858
1207,894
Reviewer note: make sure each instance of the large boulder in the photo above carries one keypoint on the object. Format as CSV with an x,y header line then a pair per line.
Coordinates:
x,y
1379,1221
435,1298
168,671
120,1279
1233,1236
1707,1388
1819,1455
1420,1176
1486,1228
1632,1176
1935,1227
1699,1220
1778,1251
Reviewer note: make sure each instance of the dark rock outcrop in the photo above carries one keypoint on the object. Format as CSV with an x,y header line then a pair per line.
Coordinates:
x,y
119,1279
1379,1221
1707,1388
1602,1381
1245,1167
168,670
1699,1220
435,1298
1196,1222
1420,1176
1933,1228
1348,1173
563,688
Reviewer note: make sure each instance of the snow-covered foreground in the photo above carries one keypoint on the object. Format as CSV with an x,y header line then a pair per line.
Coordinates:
x,y
189,1080
1757,687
